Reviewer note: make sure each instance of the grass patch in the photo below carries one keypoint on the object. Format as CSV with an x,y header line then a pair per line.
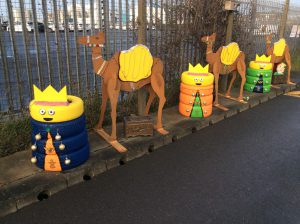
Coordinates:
x,y
15,135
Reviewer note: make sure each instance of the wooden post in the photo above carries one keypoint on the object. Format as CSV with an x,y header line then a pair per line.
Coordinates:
x,y
229,27
141,40
284,19
224,79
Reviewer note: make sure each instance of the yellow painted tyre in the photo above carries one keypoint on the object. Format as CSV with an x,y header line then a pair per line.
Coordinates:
x,y
197,80
52,114
260,65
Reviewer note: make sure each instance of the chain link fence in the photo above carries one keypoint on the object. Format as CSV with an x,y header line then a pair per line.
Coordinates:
x,y
38,38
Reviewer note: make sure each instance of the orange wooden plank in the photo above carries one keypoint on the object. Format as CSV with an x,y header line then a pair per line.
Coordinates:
x,y
233,98
120,148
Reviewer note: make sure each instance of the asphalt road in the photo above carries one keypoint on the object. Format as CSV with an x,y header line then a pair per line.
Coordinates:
x,y
245,169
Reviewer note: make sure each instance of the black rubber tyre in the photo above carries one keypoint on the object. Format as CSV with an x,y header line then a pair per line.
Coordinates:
x,y
71,144
65,129
257,73
250,87
77,158
253,80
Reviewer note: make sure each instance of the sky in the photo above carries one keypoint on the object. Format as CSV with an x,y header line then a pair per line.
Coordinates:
x,y
295,2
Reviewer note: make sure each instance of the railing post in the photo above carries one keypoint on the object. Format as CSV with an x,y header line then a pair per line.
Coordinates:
x,y
141,40
284,19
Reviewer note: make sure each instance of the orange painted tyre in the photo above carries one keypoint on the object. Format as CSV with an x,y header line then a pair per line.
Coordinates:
x,y
192,90
185,109
188,99
207,110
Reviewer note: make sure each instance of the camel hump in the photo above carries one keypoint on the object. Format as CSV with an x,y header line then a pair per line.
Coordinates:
x,y
230,53
135,64
279,47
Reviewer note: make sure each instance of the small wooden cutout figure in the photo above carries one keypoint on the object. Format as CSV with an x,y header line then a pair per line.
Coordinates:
x,y
52,162
279,53
127,71
226,60
280,69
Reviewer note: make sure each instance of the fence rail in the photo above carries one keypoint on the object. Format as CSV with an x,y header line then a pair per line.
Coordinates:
x,y
38,38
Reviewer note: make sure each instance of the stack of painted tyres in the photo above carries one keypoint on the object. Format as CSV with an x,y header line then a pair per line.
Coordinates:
x,y
196,92
259,75
58,130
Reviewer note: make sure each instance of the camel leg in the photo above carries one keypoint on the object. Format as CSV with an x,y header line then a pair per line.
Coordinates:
x,y
216,89
103,106
241,67
158,85
113,93
231,83
150,100
289,66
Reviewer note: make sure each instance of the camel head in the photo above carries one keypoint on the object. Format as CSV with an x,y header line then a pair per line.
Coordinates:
x,y
269,38
97,40
209,39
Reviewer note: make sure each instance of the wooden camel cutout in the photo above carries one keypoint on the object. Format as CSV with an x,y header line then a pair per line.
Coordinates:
x,y
217,67
112,85
278,59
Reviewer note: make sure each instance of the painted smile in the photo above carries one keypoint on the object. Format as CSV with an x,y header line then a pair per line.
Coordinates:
x,y
48,119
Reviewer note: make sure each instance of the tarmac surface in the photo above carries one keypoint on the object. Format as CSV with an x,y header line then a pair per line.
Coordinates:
x,y
245,169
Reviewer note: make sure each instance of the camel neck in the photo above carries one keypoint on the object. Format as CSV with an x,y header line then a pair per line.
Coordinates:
x,y
268,48
99,64
209,53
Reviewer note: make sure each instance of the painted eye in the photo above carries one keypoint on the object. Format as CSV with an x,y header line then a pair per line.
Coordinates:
x,y
51,112
42,111
195,79
201,79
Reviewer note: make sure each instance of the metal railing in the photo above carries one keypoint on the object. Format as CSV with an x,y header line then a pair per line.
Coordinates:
x,y
38,38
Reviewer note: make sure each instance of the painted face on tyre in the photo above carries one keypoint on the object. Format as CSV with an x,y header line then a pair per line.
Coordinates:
x,y
197,76
261,63
52,106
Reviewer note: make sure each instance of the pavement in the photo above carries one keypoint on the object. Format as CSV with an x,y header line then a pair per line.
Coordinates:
x,y
23,184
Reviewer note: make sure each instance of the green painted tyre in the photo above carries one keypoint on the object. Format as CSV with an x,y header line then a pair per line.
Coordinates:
x,y
253,80
257,73
250,88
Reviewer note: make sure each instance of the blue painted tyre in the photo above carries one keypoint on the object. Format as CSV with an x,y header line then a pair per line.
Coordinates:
x,y
77,158
65,129
71,144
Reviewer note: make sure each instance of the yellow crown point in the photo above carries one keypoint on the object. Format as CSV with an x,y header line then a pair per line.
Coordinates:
x,y
263,58
50,94
198,69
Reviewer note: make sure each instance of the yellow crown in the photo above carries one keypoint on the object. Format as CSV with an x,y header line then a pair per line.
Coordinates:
x,y
263,58
198,69
50,94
